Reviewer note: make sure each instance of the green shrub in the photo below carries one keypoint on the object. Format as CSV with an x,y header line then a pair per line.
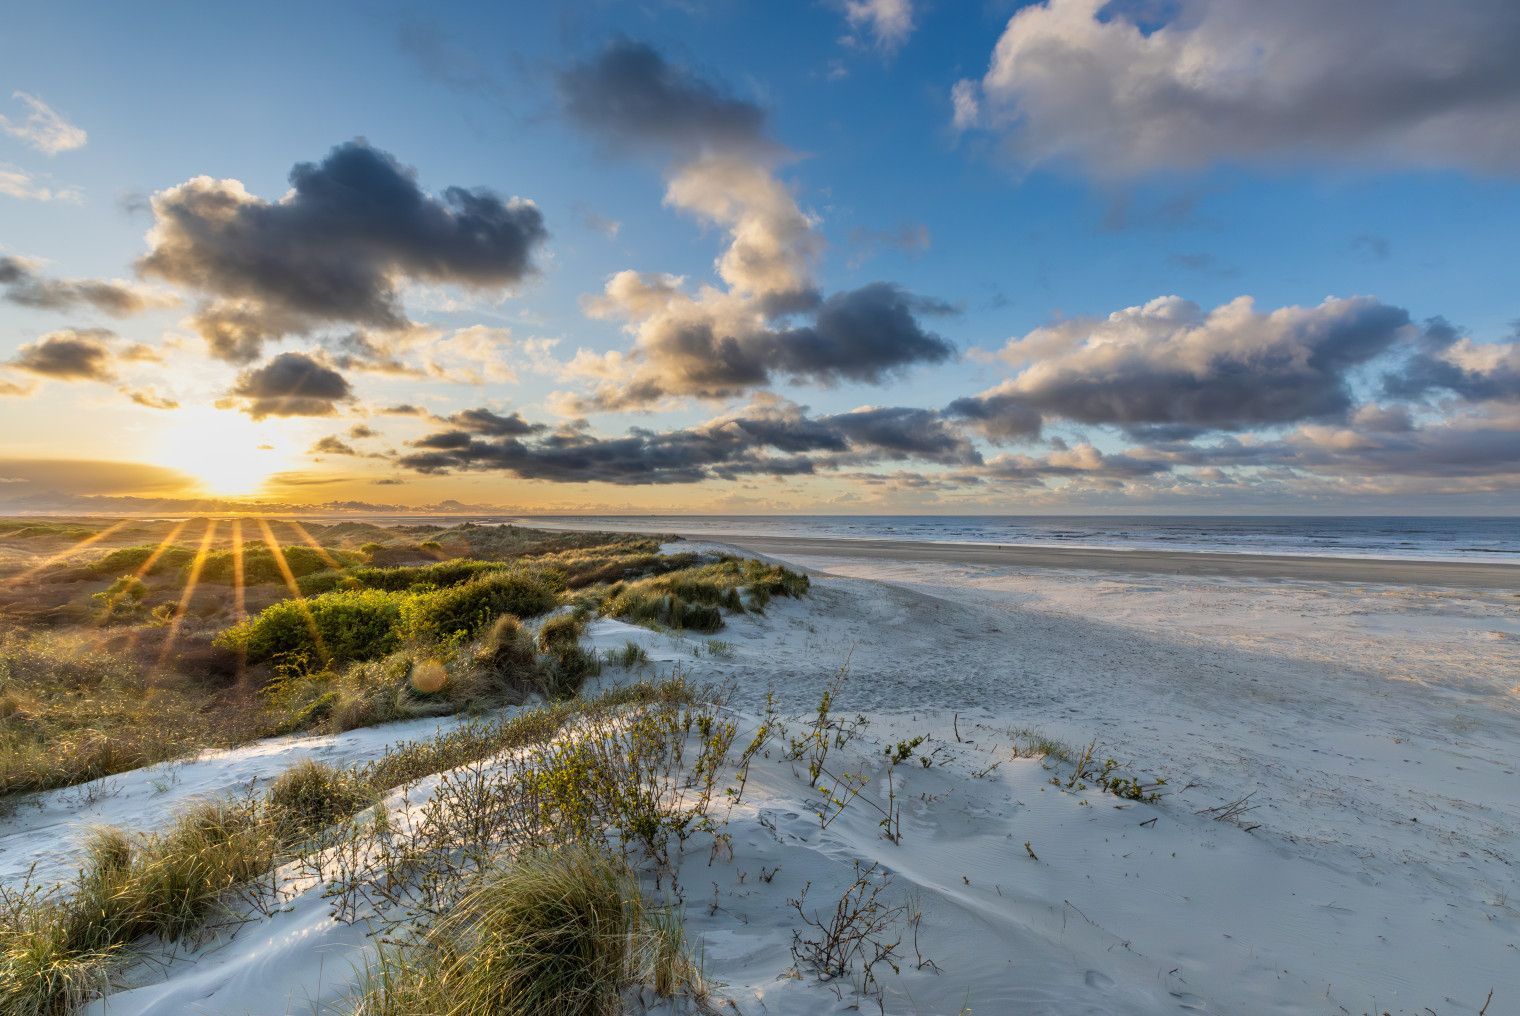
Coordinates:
x,y
505,660
122,600
260,565
464,610
350,624
127,560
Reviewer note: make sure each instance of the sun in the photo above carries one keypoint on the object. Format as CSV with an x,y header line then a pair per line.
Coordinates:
x,y
226,453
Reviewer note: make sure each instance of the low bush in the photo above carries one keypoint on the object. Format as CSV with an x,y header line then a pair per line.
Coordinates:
x,y
121,601
695,597
260,565
127,560
465,610
312,795
357,624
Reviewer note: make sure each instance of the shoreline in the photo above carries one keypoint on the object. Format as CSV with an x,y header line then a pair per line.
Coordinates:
x,y
1389,571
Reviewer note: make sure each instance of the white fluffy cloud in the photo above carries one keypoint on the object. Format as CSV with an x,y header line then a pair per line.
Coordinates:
x,y
1382,82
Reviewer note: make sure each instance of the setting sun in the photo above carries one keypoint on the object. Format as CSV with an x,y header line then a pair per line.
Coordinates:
x,y
224,451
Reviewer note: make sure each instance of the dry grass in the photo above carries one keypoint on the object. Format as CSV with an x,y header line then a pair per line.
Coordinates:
x,y
70,712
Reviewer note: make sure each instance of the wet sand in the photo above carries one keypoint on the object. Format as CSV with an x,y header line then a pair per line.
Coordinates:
x,y
1458,574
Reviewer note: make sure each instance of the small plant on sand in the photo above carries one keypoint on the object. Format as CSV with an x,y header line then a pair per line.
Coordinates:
x,y
630,657
1086,769
856,938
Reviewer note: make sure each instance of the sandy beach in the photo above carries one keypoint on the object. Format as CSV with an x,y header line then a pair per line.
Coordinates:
x,y
1472,574
1367,731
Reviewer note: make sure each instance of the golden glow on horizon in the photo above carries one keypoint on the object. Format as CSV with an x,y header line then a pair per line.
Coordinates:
x,y
226,453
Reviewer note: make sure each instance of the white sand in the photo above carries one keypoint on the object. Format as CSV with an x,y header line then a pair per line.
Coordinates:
x,y
1378,728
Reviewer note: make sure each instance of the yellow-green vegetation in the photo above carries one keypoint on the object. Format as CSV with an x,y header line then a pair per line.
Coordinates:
x,y
55,950
129,560
695,597
121,601
559,931
58,947
365,624
261,566
70,712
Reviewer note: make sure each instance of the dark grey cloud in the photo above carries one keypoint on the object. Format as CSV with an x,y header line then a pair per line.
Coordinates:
x,y
79,354
1445,361
291,384
867,335
770,440
335,249
25,287
332,444
1169,368
483,421
75,354
1380,82
630,95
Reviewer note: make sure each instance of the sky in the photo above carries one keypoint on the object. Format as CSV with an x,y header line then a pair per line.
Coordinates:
x,y
823,256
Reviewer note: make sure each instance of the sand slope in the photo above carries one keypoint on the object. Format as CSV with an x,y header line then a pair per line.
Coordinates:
x,y
1376,726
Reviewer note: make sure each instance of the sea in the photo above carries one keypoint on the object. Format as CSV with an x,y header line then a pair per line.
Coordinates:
x,y
1435,538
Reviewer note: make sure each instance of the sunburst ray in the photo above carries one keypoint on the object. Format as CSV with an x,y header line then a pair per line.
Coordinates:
x,y
192,579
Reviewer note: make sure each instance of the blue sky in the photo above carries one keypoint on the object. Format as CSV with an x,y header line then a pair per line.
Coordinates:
x,y
1015,220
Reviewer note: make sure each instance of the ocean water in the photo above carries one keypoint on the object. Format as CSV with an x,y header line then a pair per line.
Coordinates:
x,y
1428,538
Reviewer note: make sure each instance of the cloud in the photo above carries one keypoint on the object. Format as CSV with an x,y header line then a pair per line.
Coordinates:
x,y
596,221
150,398
331,445
1445,360
629,95
79,354
23,286
718,342
717,348
30,478
44,128
910,238
1170,367
18,183
291,384
1431,85
888,23
336,249
771,437
483,421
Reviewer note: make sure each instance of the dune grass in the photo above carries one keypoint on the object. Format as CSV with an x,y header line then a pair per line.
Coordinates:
x,y
70,712
57,947
560,932
695,597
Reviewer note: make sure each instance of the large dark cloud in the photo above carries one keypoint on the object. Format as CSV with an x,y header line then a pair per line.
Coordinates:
x,y
865,335
335,249
775,439
1169,369
25,287
1390,82
631,95
291,384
